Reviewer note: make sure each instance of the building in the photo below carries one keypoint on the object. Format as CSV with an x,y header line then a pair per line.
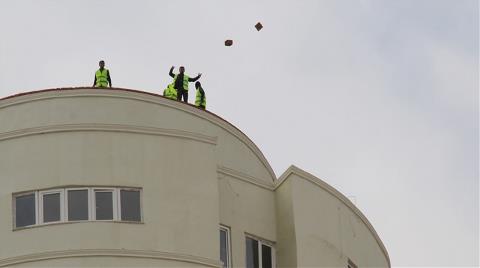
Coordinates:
x,y
117,177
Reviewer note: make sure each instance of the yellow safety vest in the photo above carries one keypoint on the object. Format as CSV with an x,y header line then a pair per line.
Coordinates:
x,y
199,102
101,77
170,92
185,81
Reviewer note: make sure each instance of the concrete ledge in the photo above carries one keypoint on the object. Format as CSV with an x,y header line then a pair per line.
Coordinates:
x,y
108,128
48,255
245,177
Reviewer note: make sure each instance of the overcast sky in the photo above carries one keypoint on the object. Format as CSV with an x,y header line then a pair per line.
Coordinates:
x,y
378,98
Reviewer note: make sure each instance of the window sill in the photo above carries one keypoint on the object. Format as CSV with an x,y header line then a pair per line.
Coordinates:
x,y
72,222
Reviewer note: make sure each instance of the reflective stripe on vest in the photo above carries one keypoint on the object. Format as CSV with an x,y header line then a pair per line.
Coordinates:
x,y
198,99
101,77
185,81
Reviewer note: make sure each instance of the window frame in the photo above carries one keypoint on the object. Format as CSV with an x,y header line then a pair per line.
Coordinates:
x,y
89,203
115,200
229,245
260,242
40,196
351,264
14,208
119,200
64,193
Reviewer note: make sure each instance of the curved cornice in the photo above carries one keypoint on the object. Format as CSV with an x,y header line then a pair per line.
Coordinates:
x,y
108,128
320,183
144,254
140,96
244,177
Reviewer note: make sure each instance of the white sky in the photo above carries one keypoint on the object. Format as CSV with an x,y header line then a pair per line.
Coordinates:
x,y
378,98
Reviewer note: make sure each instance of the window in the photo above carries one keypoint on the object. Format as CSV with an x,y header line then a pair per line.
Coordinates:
x,y
77,204
130,204
50,206
252,253
266,256
225,254
104,205
25,210
350,264
259,254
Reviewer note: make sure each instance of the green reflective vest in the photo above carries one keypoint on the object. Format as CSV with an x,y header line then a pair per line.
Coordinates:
x,y
185,81
200,100
170,92
101,77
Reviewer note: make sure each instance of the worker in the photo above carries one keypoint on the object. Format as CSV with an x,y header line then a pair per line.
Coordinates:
x,y
170,92
180,82
102,76
200,98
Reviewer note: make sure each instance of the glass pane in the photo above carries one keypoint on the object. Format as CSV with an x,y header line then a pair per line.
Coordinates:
x,y
77,205
224,248
51,207
266,256
252,253
25,210
130,201
104,205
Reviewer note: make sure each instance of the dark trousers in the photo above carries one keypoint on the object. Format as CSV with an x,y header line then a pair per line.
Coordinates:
x,y
182,92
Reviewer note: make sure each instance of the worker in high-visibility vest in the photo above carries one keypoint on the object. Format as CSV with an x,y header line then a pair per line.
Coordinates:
x,y
170,92
180,82
102,76
200,98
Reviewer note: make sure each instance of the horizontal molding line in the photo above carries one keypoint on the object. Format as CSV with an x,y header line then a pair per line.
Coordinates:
x,y
108,128
244,177
142,96
146,254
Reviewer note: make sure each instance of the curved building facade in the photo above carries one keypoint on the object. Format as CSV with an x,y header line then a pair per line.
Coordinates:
x,y
116,177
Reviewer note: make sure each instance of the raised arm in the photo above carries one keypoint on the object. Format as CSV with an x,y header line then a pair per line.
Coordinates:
x,y
195,78
171,72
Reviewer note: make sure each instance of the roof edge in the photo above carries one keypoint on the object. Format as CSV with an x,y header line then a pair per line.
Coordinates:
x,y
186,107
294,170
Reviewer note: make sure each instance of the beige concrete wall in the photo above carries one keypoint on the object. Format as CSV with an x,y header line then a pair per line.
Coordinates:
x,y
247,209
117,138
286,235
196,171
328,229
105,106
178,177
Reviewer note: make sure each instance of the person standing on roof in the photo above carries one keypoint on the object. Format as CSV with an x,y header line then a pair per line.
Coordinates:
x,y
200,98
102,76
180,82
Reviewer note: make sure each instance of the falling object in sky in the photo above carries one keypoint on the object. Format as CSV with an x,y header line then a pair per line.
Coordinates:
x,y
228,43
258,26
